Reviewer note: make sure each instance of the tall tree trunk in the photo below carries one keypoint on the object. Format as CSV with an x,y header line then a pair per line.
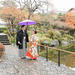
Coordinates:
x,y
29,16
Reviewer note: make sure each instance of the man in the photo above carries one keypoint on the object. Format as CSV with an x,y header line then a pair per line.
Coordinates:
x,y
21,41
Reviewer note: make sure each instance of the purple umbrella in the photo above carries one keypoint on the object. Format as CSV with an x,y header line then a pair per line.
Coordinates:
x,y
27,22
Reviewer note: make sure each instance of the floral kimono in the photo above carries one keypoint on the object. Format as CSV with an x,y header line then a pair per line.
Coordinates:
x,y
32,51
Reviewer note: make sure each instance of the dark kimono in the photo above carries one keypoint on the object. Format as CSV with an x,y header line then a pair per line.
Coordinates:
x,y
23,46
20,36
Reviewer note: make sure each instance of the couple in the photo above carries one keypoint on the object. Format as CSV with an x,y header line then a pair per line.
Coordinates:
x,y
21,41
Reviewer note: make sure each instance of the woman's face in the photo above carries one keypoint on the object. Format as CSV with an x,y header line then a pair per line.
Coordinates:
x,y
33,32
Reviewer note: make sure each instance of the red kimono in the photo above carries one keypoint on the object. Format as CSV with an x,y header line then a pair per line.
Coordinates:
x,y
32,50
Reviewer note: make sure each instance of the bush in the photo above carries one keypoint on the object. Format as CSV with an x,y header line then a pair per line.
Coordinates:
x,y
45,40
54,34
68,37
2,49
2,30
72,32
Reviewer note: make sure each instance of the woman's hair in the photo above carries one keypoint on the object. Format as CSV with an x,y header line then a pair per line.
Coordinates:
x,y
35,31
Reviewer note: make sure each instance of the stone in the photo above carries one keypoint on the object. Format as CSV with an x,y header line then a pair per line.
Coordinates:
x,y
54,43
65,43
13,65
72,41
46,42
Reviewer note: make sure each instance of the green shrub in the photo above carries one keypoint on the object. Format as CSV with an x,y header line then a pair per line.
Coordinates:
x,y
2,30
68,37
53,34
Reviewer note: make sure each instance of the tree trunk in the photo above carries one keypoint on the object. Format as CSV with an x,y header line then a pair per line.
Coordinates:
x,y
29,16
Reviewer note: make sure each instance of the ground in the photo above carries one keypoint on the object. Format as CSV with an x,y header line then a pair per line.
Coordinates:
x,y
11,64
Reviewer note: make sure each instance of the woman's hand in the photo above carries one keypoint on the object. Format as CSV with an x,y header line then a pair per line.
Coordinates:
x,y
27,44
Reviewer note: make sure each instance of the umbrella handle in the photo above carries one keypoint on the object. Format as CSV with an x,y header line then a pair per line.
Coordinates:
x,y
24,38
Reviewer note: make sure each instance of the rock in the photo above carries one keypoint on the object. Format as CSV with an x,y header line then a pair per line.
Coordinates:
x,y
72,68
65,43
54,43
46,42
72,41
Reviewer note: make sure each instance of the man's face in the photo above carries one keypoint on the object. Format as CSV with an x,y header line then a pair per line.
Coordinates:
x,y
24,27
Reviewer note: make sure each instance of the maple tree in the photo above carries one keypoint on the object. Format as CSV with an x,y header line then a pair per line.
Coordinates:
x,y
32,5
70,18
12,15
2,49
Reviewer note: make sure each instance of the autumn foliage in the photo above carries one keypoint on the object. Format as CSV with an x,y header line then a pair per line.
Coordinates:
x,y
70,18
2,49
12,13
17,14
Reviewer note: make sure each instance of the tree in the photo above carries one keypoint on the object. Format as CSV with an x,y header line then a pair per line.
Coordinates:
x,y
12,16
70,18
2,49
8,3
32,5
61,17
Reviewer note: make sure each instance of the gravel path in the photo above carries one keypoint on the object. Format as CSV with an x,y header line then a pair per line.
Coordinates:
x,y
11,64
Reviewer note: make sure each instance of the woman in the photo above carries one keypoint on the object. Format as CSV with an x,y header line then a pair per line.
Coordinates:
x,y
32,51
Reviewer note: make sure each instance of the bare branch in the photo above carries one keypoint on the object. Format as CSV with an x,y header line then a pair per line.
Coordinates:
x,y
31,5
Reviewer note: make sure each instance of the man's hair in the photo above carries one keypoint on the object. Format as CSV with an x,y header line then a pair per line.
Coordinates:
x,y
22,26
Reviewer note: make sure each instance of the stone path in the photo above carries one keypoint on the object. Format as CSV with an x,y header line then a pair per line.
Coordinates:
x,y
11,64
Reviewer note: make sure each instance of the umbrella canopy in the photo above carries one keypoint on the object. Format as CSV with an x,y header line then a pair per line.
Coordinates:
x,y
27,22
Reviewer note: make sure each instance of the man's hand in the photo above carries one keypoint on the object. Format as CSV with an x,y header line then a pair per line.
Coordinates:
x,y
19,42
